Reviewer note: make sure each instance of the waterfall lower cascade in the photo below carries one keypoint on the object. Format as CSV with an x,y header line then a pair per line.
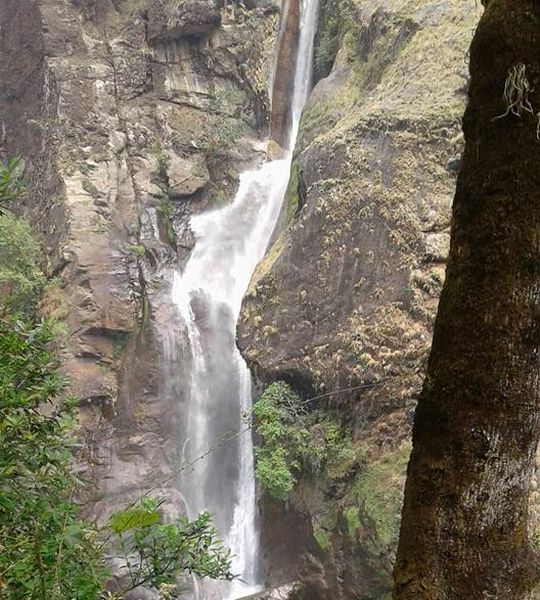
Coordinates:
x,y
217,385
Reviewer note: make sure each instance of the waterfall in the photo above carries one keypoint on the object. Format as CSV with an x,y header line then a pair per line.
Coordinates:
x,y
216,387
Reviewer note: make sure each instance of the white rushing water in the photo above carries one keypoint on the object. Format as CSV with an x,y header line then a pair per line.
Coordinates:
x,y
216,390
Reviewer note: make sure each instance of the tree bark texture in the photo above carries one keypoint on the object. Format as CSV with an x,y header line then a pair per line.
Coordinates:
x,y
464,532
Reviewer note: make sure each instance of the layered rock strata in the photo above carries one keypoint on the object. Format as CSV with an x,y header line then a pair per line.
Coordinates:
x,y
130,116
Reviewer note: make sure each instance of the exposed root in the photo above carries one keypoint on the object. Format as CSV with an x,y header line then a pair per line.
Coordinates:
x,y
516,92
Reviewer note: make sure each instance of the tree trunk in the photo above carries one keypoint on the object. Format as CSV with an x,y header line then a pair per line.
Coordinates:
x,y
464,531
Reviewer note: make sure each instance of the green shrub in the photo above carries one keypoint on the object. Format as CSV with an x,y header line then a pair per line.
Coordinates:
x,y
327,45
21,279
352,519
295,441
46,552
273,471
378,492
164,163
137,249
165,212
321,537
11,186
223,134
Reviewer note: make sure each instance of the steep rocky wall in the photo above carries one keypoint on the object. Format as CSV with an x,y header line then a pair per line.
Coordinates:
x,y
343,305
285,69
130,115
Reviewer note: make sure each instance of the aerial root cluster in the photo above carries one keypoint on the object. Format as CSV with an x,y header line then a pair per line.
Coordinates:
x,y
516,95
516,92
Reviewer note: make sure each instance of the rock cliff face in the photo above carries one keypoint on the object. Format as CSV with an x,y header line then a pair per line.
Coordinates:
x,y
130,116
342,307
133,114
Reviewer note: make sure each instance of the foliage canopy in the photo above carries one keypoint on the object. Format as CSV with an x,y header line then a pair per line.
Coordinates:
x,y
297,441
45,551
21,279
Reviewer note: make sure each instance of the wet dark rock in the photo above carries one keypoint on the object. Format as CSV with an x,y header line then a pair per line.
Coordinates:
x,y
170,19
285,69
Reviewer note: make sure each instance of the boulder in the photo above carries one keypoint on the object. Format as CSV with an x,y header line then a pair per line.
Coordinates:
x,y
274,151
186,176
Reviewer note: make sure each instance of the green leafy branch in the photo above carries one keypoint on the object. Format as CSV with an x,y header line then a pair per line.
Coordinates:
x,y
155,553
11,186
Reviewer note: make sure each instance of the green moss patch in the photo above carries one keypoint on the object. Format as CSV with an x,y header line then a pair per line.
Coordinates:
x,y
378,491
321,537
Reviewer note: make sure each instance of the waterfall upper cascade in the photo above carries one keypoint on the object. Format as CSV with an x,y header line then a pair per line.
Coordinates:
x,y
217,383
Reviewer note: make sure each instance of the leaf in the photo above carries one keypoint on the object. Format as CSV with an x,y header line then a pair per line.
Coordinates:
x,y
72,535
134,518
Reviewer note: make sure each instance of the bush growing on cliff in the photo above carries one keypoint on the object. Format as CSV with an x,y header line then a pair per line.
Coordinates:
x,y
296,441
327,45
11,186
45,551
222,136
21,279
